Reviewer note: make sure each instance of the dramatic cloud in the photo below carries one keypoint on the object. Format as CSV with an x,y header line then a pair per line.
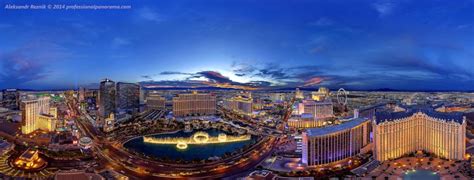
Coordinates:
x,y
215,77
397,44
18,69
272,71
28,63
242,69
313,81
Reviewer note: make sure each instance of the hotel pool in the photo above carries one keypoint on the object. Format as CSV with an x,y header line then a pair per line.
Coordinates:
x,y
192,152
421,175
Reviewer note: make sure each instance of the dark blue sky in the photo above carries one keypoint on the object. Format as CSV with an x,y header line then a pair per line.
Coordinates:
x,y
403,44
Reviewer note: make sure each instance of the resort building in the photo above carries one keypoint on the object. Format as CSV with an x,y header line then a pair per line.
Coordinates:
x,y
46,122
319,109
304,121
194,104
332,144
321,94
311,113
34,113
155,102
299,94
400,133
239,104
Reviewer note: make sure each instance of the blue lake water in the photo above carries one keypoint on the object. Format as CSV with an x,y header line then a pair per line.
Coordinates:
x,y
421,175
194,151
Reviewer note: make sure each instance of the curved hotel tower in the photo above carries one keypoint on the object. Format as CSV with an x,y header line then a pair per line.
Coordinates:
x,y
400,133
195,103
335,143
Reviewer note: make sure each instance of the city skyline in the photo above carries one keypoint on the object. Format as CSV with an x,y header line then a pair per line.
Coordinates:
x,y
401,45
236,89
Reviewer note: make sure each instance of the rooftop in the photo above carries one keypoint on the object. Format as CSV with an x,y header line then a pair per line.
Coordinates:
x,y
384,116
3,144
332,129
28,154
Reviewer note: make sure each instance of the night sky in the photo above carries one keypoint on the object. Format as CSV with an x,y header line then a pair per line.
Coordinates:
x,y
403,44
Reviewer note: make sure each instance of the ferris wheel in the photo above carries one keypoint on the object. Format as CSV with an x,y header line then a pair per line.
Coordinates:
x,y
342,96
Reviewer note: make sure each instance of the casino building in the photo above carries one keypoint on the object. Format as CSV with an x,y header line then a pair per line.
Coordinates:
x,y
332,144
400,133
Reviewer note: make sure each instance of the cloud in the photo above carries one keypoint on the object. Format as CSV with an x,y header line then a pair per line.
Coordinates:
x,y
411,64
384,7
174,73
272,71
18,69
29,63
242,69
259,83
150,15
211,78
119,41
146,77
215,77
313,81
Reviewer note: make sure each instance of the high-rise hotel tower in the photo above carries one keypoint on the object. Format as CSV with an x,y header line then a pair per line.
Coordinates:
x,y
32,113
107,94
332,144
400,133
194,104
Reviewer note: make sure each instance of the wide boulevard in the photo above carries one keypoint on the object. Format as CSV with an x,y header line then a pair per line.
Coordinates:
x,y
112,156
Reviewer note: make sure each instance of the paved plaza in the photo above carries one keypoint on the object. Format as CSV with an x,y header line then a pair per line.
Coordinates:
x,y
396,169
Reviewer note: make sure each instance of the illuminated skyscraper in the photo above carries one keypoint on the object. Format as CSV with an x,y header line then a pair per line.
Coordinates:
x,y
194,104
106,98
128,98
31,110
